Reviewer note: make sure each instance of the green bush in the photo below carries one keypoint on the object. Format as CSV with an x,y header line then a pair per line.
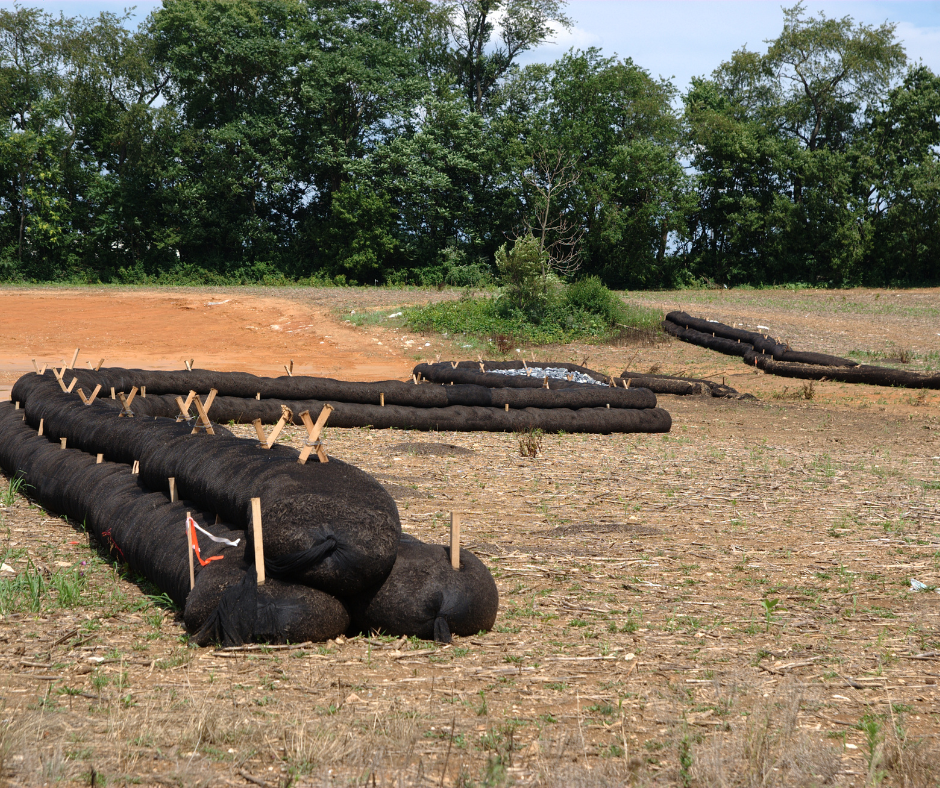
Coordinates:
x,y
592,296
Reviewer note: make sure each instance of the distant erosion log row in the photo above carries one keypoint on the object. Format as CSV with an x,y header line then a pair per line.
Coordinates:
x,y
487,403
776,358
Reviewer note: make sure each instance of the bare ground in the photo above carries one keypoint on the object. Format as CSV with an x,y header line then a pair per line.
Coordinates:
x,y
728,604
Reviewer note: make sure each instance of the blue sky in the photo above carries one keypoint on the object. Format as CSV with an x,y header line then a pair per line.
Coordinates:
x,y
678,39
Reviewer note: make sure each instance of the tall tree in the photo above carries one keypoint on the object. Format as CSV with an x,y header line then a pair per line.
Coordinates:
x,y
772,137
479,61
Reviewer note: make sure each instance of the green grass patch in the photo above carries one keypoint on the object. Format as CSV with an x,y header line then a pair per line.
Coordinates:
x,y
580,312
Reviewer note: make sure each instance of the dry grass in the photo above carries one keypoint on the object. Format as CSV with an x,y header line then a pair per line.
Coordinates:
x,y
637,642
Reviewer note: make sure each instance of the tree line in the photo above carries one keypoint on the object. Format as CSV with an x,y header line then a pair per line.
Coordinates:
x,y
401,141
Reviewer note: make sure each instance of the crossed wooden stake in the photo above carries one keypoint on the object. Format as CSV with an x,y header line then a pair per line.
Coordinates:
x,y
202,411
59,374
313,442
126,403
89,400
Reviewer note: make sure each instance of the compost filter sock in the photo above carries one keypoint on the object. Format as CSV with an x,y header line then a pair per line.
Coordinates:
x,y
329,525
425,596
233,609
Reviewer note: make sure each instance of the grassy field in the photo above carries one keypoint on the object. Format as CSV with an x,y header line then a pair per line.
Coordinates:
x,y
729,604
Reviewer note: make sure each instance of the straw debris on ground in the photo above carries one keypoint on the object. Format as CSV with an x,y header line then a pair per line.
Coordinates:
x,y
728,604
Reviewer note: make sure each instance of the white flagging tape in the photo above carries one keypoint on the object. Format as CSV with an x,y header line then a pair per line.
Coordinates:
x,y
218,539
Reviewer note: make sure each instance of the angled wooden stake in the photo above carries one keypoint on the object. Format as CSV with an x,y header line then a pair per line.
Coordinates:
x,y
286,416
526,368
545,382
99,460
189,542
136,468
58,377
290,370
74,359
455,540
35,365
313,442
257,536
415,379
184,406
626,383
260,430
172,481
71,386
203,422
98,365
453,364
81,395
126,403
42,370
39,431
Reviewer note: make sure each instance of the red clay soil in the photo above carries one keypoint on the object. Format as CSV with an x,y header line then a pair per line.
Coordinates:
x,y
157,330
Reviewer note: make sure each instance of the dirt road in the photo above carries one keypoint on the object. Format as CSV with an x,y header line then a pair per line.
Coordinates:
x,y
157,330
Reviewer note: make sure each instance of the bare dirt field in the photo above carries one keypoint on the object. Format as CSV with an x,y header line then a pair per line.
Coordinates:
x,y
729,604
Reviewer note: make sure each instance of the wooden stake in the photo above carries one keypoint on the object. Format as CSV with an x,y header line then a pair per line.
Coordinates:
x,y
608,406
98,365
112,392
507,407
172,481
143,392
126,403
626,383
40,427
258,395
42,370
35,365
455,540
381,399
99,460
81,395
453,364
135,469
90,366
218,519
256,532
260,430
74,359
184,406
71,386
313,442
62,441
415,379
545,384
203,415
189,541
17,406
289,373
281,423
